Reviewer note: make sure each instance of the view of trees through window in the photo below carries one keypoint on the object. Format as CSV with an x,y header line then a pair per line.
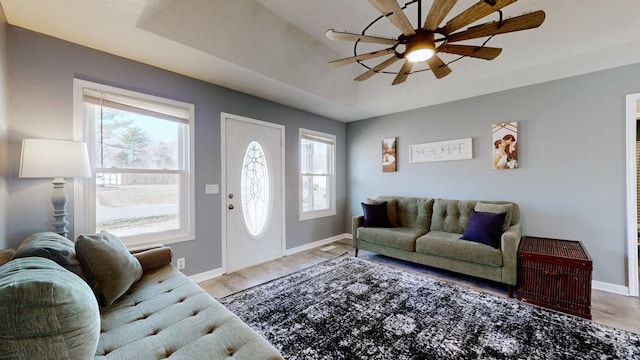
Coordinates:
x,y
315,175
137,163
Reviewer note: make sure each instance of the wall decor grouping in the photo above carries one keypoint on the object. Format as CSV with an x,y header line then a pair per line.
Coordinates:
x,y
505,145
459,149
389,163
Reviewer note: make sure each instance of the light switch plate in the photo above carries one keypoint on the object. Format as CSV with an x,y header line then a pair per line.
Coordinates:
x,y
211,189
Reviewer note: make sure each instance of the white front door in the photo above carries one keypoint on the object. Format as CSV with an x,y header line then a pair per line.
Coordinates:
x,y
253,213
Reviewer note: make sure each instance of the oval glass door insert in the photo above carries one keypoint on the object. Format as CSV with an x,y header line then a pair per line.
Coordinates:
x,y
255,188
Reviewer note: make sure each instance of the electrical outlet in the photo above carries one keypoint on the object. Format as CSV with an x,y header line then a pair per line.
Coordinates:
x,y
181,263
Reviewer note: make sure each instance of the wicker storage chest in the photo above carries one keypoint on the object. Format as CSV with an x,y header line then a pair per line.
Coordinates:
x,y
555,274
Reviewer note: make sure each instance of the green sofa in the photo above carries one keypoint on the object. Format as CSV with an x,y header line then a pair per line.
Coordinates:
x,y
428,231
55,305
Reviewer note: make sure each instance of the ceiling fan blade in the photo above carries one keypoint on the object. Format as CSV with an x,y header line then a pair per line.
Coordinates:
x,y
394,13
522,22
377,68
474,13
337,35
439,68
403,73
437,13
486,53
353,59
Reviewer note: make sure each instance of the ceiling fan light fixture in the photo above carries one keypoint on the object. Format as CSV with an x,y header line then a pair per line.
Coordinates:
x,y
420,54
420,48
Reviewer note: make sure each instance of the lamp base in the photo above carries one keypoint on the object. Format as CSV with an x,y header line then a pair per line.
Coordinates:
x,y
59,201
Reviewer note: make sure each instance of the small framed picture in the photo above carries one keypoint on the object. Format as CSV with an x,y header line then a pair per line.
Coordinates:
x,y
505,145
389,163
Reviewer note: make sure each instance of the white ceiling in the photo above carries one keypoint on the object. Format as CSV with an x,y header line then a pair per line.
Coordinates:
x,y
277,49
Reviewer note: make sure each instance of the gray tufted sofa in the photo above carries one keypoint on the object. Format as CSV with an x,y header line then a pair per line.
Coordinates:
x,y
428,231
49,311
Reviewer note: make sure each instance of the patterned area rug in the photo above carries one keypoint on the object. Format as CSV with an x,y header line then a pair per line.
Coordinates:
x,y
349,308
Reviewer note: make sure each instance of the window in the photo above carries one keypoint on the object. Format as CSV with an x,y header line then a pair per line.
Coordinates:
x,y
141,152
317,175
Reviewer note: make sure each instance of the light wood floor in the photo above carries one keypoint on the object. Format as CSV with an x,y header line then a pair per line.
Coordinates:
x,y
618,311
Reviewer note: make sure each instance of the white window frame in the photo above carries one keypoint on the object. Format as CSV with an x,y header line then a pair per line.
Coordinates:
x,y
85,188
324,137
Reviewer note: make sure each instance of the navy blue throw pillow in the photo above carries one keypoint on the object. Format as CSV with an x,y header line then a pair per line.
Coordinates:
x,y
375,215
484,228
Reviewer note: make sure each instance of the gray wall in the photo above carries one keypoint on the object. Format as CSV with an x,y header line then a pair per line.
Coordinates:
x,y
3,130
571,180
41,70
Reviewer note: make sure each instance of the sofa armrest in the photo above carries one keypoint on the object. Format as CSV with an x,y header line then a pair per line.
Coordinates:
x,y
6,255
144,248
510,241
356,222
154,257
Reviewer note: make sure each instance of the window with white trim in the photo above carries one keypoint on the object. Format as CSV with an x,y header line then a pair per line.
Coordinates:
x,y
317,174
141,152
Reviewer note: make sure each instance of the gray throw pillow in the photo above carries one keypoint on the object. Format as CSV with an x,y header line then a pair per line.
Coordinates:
x,y
46,312
52,246
110,268
496,209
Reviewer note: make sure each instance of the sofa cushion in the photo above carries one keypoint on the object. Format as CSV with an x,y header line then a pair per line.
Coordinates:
x,y
110,268
375,215
485,228
46,312
451,215
412,212
449,245
400,237
497,209
166,315
51,246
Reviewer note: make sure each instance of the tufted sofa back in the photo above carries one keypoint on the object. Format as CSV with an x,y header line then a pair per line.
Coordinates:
x,y
436,214
410,212
453,215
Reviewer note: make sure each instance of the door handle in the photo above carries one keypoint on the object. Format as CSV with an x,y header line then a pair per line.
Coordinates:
x,y
230,206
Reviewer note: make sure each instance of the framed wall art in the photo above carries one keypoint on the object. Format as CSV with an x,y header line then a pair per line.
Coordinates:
x,y
460,149
505,145
389,163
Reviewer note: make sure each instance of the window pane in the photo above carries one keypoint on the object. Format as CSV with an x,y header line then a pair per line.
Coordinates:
x,y
255,189
320,193
132,204
314,157
131,140
314,193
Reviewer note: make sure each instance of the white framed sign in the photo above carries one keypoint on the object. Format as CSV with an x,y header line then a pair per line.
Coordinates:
x,y
460,149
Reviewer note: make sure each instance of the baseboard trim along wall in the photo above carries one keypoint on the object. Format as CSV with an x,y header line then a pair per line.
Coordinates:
x,y
595,285
211,274
315,244
207,275
611,288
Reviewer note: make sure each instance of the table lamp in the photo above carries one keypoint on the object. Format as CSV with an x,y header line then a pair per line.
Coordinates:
x,y
57,159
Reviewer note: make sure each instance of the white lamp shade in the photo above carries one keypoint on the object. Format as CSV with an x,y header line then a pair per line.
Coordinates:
x,y
44,158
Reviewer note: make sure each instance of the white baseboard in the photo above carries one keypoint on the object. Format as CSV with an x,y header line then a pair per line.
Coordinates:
x,y
611,288
211,274
207,275
315,244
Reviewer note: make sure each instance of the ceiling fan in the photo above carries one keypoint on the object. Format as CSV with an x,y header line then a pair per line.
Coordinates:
x,y
420,43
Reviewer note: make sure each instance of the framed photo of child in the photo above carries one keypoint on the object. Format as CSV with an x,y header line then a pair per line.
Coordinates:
x,y
505,145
